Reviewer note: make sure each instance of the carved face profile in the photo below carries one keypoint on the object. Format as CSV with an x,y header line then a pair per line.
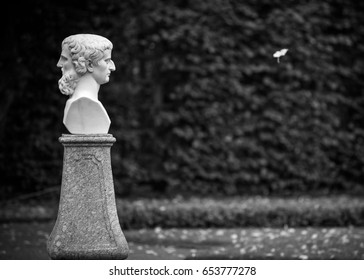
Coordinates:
x,y
68,82
84,54
101,72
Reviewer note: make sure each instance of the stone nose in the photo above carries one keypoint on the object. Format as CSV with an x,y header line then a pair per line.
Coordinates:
x,y
59,63
112,66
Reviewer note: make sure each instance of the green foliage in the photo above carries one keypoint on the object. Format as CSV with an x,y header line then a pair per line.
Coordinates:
x,y
198,104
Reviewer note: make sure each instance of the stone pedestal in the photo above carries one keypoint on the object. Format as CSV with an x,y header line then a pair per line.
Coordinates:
x,y
87,225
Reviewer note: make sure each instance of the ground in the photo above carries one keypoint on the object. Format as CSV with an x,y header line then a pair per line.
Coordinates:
x,y
28,241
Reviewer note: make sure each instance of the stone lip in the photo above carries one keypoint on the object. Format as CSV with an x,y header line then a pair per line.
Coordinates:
x,y
87,225
87,139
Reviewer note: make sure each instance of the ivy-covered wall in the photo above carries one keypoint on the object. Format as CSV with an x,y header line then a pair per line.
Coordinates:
x,y
198,103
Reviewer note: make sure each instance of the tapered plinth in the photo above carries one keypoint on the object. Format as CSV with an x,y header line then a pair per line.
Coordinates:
x,y
87,225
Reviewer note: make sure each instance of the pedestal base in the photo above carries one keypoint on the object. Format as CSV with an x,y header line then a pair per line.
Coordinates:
x,y
87,225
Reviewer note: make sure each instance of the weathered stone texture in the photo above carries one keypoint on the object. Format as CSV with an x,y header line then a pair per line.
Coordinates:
x,y
87,226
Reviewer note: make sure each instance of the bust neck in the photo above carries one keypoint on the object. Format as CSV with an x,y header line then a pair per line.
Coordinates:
x,y
86,87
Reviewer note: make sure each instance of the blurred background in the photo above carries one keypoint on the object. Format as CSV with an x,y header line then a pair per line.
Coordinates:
x,y
198,104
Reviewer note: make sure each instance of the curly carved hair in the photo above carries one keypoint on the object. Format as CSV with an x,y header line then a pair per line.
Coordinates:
x,y
84,48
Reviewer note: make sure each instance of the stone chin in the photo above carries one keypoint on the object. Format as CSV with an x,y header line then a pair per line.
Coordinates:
x,y
67,84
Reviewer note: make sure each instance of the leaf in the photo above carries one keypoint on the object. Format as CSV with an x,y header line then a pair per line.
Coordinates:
x,y
220,232
234,238
253,248
280,53
157,229
345,239
151,252
170,250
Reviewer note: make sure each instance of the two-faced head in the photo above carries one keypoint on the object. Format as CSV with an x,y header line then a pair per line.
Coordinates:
x,y
84,54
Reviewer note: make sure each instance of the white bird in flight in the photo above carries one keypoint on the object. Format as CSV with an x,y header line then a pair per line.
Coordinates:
x,y
280,53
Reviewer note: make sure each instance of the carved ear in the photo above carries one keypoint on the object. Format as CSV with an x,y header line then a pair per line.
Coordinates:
x,y
89,65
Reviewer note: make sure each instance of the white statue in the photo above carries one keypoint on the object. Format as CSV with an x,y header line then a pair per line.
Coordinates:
x,y
86,64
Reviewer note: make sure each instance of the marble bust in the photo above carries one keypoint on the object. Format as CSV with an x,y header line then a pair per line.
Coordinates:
x,y
86,64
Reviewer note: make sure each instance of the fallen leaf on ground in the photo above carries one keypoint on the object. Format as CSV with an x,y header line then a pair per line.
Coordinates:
x,y
151,252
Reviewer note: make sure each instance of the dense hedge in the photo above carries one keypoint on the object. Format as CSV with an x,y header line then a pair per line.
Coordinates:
x,y
198,104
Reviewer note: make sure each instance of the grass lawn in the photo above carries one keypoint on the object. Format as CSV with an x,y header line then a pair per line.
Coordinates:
x,y
207,228
28,241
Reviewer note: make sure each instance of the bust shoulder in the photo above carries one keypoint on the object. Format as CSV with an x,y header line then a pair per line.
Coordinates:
x,y
84,115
